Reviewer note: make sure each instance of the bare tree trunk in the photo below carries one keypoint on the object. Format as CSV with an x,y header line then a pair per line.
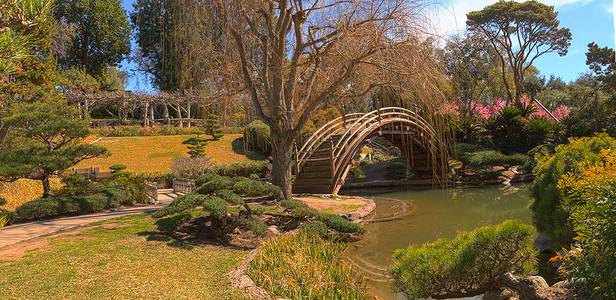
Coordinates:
x,y
188,113
146,108
282,163
46,187
166,113
179,108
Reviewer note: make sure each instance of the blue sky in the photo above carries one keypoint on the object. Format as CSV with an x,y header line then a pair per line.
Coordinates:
x,y
588,20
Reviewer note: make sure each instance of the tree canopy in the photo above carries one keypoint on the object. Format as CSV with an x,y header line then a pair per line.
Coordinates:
x,y
102,33
520,33
17,18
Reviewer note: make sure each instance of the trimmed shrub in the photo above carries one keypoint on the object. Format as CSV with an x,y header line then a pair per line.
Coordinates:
x,y
494,158
187,168
219,183
52,207
205,178
252,188
132,130
464,148
115,197
317,228
466,265
304,266
259,228
397,171
340,224
257,137
292,204
117,168
256,169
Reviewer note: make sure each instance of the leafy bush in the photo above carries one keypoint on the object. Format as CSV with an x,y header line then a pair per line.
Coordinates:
x,y
493,158
78,185
121,131
397,171
304,266
52,207
591,200
465,265
186,168
464,148
257,137
244,169
548,213
163,179
116,197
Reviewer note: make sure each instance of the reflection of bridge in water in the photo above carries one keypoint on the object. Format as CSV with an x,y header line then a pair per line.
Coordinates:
x,y
326,158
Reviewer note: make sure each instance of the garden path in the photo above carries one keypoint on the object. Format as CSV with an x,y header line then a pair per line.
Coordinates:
x,y
20,232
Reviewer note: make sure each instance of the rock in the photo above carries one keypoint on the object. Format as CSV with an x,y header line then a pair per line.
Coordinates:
x,y
502,294
544,243
565,284
273,229
526,287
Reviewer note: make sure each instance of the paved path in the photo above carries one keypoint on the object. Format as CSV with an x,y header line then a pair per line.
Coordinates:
x,y
16,233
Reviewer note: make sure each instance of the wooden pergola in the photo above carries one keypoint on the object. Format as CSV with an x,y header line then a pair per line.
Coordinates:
x,y
148,109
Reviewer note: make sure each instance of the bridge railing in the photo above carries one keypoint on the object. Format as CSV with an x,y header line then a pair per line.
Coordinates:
x,y
353,126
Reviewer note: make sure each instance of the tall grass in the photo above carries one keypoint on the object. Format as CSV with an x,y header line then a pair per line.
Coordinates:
x,y
304,266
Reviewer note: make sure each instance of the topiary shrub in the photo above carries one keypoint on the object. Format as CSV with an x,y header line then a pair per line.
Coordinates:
x,y
215,196
468,265
216,184
252,188
117,168
257,137
213,128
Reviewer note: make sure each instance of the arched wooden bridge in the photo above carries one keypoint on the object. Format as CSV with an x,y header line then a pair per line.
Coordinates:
x,y
327,156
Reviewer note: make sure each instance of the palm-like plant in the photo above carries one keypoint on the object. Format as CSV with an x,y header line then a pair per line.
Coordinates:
x,y
508,116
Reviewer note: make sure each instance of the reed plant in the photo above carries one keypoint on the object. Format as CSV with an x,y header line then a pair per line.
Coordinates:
x,y
305,266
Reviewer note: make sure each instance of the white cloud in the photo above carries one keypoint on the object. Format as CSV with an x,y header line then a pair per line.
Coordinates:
x,y
451,18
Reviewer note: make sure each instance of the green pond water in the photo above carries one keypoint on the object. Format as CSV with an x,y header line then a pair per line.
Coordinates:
x,y
433,214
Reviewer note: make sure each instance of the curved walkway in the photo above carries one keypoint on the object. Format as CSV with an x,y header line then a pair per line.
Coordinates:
x,y
16,233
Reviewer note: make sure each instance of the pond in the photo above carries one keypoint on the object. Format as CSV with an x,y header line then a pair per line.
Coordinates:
x,y
416,217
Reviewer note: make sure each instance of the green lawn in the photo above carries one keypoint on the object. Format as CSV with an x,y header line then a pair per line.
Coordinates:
x,y
121,258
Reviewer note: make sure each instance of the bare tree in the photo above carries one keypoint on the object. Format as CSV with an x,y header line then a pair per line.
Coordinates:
x,y
294,56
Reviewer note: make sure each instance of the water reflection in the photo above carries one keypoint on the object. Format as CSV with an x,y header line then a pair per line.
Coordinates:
x,y
435,214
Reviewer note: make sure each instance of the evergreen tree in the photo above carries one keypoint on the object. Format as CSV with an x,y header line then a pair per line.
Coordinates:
x,y
197,144
53,146
213,128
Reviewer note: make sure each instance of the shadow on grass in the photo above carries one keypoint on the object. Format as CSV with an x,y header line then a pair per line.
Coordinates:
x,y
238,147
157,236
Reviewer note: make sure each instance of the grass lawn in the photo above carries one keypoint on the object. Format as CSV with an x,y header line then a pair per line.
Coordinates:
x,y
156,153
123,258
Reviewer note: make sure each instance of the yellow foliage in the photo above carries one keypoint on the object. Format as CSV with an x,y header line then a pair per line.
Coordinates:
x,y
591,175
24,190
